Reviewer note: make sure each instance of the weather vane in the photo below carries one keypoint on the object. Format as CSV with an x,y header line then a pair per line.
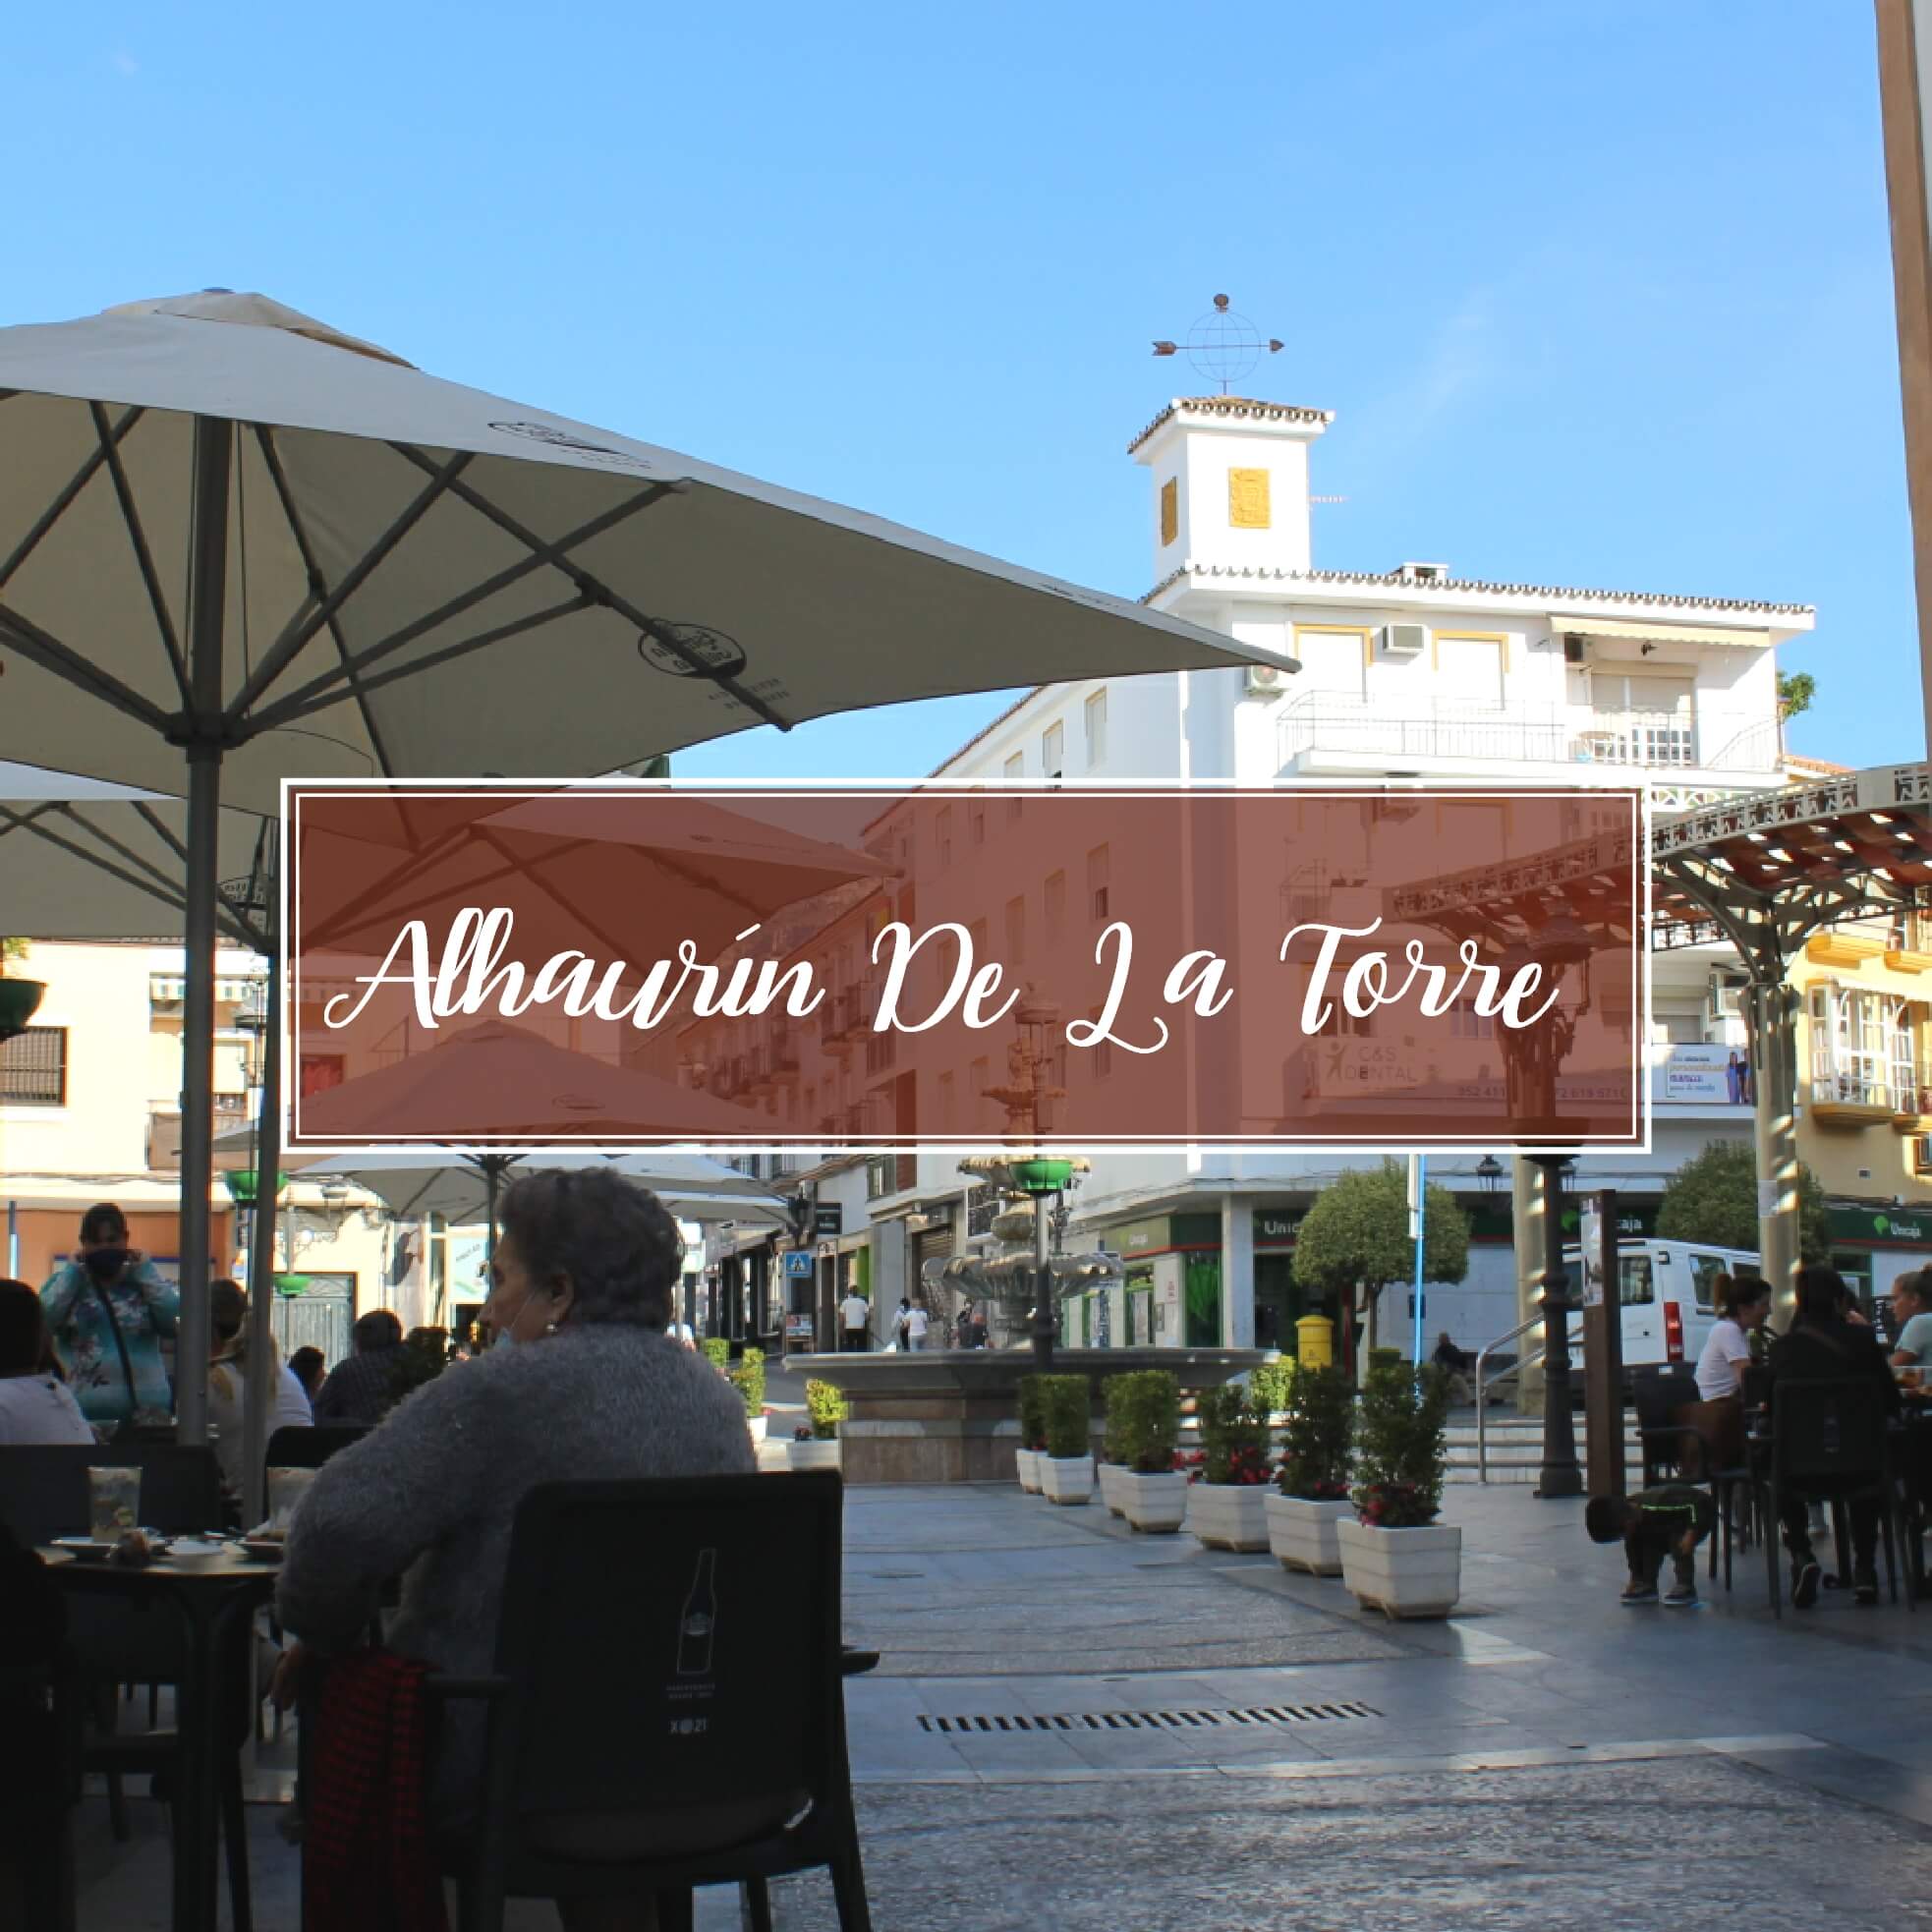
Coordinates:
x,y
1223,346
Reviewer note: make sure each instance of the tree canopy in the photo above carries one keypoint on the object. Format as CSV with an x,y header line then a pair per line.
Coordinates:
x,y
1714,1197
1357,1234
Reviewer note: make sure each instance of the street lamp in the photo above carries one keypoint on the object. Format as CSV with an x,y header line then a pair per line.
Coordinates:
x,y
1489,1170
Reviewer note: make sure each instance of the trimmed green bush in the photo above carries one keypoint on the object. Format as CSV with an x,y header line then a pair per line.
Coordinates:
x,y
826,1407
748,1377
1033,1412
1143,1412
1114,1446
1069,1411
717,1352
1318,1444
1271,1386
1403,1452
1233,1437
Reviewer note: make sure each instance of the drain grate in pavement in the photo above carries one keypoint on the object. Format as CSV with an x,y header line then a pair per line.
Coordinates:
x,y
1253,1714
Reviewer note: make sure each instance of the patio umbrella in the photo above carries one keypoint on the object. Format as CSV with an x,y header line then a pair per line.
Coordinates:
x,y
237,544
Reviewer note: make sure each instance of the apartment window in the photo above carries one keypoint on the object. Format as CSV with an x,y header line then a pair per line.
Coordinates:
x,y
1056,896
977,932
1097,883
1015,768
1469,669
879,1051
1465,1023
1643,718
33,1066
975,1078
1052,750
1102,1059
976,821
1863,1049
942,834
1015,931
1096,715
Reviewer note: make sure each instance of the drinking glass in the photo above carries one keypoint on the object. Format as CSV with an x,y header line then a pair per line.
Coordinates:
x,y
113,1503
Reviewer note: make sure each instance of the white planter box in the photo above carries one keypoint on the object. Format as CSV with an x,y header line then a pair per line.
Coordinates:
x,y
1302,1533
1067,1479
1109,1477
756,1424
814,1455
1155,1504
1229,1516
1027,1462
1402,1572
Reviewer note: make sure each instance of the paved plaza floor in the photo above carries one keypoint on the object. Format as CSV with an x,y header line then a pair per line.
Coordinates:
x,y
1077,1727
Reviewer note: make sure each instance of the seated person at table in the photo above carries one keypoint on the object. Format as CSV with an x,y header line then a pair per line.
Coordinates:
x,y
229,1345
373,1381
309,1366
1823,1345
1669,1520
582,1381
36,1404
1912,1315
1742,1302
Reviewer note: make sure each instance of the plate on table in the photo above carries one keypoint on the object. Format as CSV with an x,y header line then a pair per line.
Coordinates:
x,y
82,1548
195,1552
262,1549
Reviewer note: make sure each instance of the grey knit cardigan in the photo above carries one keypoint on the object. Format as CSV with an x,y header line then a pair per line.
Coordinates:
x,y
430,1495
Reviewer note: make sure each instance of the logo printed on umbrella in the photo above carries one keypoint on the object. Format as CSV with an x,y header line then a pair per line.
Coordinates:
x,y
545,433
720,657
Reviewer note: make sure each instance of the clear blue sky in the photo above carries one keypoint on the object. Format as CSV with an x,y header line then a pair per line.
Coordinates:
x,y
1600,293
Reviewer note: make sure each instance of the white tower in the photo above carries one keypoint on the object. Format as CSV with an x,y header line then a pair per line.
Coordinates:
x,y
1231,484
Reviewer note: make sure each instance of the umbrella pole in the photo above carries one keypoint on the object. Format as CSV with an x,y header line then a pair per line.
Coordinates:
x,y
493,1180
208,591
261,1367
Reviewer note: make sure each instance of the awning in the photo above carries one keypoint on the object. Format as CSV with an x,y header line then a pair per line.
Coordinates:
x,y
1658,633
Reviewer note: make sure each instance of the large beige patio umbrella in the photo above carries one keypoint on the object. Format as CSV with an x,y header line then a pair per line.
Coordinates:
x,y
237,544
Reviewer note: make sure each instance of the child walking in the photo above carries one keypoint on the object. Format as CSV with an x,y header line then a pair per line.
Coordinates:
x,y
1671,1519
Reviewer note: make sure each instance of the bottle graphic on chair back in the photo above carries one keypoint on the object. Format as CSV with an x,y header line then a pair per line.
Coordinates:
x,y
698,1621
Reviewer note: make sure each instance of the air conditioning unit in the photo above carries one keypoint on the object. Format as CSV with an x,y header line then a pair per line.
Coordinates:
x,y
1576,649
1264,680
1401,640
1728,995
1923,1154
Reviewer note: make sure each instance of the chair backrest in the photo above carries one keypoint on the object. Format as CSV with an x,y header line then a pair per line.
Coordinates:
x,y
1828,1430
300,1447
43,1488
671,1642
1658,1391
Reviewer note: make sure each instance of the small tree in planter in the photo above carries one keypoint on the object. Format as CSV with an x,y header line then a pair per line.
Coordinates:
x,y
1271,1388
1033,1432
1152,1492
1397,1558
717,1352
748,1377
1113,1443
1311,1493
818,1449
1066,1470
1225,1503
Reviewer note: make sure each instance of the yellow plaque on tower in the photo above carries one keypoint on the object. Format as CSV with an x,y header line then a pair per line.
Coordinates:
x,y
1169,511
1247,500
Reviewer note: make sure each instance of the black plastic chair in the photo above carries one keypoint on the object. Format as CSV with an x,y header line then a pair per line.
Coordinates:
x,y
1829,1439
300,1447
43,1488
660,1716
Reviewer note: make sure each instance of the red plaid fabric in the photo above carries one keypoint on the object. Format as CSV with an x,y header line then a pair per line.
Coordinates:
x,y
367,1862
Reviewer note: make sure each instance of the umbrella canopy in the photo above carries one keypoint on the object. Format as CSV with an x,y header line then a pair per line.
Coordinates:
x,y
436,1181
514,1086
420,578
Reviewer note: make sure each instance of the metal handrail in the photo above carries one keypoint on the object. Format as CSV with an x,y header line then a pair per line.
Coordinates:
x,y
1482,1406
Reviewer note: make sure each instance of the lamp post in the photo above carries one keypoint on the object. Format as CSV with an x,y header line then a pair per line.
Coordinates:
x,y
1489,1171
1561,1475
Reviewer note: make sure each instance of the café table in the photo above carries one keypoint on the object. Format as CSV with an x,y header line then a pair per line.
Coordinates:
x,y
206,1595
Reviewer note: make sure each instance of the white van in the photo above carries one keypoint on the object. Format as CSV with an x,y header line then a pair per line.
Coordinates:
x,y
1668,1311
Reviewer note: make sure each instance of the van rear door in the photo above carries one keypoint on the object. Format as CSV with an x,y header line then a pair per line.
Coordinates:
x,y
1643,1322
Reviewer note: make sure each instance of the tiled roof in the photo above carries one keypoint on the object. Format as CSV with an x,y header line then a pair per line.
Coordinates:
x,y
1823,767
1479,587
1234,408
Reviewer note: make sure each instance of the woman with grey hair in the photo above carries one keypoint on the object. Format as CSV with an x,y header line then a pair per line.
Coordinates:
x,y
581,1383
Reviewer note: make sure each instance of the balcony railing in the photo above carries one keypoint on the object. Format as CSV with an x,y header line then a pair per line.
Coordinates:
x,y
1868,1085
1324,721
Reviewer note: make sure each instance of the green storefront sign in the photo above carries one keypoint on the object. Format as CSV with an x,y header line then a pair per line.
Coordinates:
x,y
1880,1227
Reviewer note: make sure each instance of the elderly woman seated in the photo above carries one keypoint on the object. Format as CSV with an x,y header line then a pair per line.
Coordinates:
x,y
582,1382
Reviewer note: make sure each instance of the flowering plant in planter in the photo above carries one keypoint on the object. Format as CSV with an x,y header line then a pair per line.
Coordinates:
x,y
1233,1437
1403,1455
1145,1408
1318,1444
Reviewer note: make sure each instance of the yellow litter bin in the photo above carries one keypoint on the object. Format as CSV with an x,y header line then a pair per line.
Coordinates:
x,y
1314,1341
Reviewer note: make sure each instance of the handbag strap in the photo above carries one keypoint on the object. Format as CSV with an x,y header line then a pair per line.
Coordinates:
x,y
120,1344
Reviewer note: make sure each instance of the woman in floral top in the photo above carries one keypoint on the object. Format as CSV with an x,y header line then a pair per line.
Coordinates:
x,y
144,1302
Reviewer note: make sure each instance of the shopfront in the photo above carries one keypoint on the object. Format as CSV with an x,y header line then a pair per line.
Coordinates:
x,y
1871,1247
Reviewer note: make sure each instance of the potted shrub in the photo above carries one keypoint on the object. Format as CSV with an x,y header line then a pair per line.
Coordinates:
x,y
1227,1489
1311,1486
1271,1389
1033,1432
1152,1492
748,1377
1066,1470
1397,1558
17,997
717,1352
819,1449
1113,1452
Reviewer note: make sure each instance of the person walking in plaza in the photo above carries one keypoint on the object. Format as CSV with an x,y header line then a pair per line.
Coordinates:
x,y
917,1322
108,1310
1668,1520
1824,1345
901,1325
36,1404
364,1390
582,1382
855,1316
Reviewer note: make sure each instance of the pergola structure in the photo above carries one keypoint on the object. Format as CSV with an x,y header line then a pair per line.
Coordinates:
x,y
1765,871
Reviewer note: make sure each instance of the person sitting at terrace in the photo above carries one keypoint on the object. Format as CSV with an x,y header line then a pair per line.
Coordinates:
x,y
36,1405
364,1390
229,1345
1912,1313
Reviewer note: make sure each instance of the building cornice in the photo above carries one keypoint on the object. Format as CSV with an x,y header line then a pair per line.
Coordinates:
x,y
1234,411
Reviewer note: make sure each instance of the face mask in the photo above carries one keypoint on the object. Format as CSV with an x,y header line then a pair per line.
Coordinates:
x,y
104,1264
504,1337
